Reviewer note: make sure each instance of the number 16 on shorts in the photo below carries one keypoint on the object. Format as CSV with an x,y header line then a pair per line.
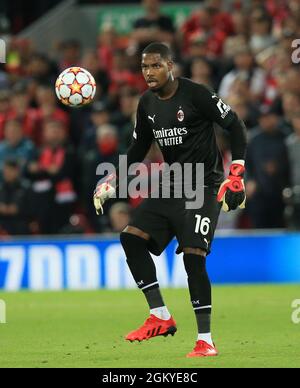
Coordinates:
x,y
202,224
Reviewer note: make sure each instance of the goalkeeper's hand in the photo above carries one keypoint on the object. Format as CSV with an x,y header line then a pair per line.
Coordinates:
x,y
103,192
232,191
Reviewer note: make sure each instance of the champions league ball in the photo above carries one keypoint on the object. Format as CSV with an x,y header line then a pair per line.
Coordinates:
x,y
75,87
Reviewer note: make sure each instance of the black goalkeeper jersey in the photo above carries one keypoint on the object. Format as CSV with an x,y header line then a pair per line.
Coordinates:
x,y
183,128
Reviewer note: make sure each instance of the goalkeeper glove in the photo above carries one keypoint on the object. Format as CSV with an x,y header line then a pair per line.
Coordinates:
x,y
103,192
232,191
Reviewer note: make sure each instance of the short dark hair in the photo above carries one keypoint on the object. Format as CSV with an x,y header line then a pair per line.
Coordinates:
x,y
158,48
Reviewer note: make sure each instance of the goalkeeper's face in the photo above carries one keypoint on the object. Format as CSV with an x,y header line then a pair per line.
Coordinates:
x,y
156,71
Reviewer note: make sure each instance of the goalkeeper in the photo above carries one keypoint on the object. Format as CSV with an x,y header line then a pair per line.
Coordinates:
x,y
189,110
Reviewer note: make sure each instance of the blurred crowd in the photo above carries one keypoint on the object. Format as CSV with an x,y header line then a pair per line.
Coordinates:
x,y
49,152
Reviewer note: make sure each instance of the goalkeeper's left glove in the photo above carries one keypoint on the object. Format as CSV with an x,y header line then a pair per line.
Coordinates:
x,y
103,192
232,191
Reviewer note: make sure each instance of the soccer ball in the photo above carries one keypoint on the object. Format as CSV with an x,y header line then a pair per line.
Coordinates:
x,y
75,87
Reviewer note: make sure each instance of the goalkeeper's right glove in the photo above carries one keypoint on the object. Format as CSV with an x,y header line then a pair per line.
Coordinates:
x,y
103,192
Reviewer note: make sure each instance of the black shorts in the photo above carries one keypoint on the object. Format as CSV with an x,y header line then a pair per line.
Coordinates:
x,y
163,219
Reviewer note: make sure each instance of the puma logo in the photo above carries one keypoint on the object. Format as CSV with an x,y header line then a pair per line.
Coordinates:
x,y
151,118
214,96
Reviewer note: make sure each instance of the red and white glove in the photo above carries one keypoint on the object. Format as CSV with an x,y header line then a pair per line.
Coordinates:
x,y
232,191
103,192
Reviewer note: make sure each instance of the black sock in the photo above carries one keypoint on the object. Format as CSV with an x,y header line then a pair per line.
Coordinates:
x,y
200,290
154,298
203,322
142,268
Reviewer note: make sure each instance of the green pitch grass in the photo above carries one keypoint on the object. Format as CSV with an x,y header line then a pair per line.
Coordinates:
x,y
252,327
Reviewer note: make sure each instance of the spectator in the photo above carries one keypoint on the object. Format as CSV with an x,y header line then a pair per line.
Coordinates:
x,y
153,26
268,173
293,146
269,61
290,81
119,216
16,145
125,119
91,63
210,23
52,175
70,53
245,70
286,38
108,42
222,19
48,110
197,48
127,106
20,110
18,53
287,106
105,151
99,115
121,75
240,22
78,224
290,103
261,26
41,69
4,81
278,10
282,60
5,99
15,201
246,111
240,38
201,72
231,47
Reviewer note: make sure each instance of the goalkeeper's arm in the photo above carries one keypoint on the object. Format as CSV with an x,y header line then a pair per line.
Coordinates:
x,y
105,190
232,191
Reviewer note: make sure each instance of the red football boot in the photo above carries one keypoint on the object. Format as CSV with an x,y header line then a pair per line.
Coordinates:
x,y
203,349
153,327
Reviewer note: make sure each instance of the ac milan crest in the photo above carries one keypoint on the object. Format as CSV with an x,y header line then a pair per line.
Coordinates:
x,y
180,115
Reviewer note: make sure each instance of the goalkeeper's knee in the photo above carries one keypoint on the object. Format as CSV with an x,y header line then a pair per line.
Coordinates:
x,y
139,260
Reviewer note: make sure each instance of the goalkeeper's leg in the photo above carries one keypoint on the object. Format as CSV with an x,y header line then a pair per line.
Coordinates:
x,y
200,292
142,267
